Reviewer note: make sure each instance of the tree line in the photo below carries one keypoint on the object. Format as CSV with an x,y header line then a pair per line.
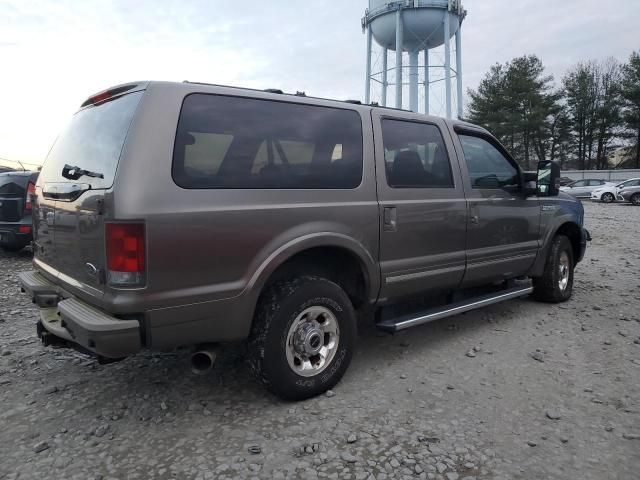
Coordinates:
x,y
590,121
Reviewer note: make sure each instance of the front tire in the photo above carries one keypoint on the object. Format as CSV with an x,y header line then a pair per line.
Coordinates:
x,y
556,283
635,199
302,338
607,197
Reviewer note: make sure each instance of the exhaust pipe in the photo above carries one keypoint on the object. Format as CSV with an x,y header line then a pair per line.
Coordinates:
x,y
203,358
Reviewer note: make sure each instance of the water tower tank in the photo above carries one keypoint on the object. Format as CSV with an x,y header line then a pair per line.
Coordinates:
x,y
423,24
419,26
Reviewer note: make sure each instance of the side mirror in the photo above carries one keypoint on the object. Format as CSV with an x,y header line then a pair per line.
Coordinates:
x,y
548,184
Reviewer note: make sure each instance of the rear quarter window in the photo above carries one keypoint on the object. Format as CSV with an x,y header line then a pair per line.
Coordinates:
x,y
242,143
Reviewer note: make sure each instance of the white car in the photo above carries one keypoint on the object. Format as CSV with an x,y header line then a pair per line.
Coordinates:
x,y
583,188
609,193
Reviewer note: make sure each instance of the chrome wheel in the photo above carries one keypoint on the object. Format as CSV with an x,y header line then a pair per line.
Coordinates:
x,y
564,266
607,197
312,341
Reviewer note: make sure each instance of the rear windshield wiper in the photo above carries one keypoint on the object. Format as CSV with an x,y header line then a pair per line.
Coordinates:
x,y
74,173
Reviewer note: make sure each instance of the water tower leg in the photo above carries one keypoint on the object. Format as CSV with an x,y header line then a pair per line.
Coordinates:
x,y
385,81
413,81
367,82
426,82
459,70
399,42
447,62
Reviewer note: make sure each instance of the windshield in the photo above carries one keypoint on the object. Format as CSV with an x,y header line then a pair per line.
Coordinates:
x,y
92,142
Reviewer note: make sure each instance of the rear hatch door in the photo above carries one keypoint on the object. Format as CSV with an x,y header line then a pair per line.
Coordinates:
x,y
13,190
77,174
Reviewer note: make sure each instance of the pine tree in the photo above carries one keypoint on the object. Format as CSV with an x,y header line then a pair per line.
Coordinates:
x,y
630,91
592,94
516,102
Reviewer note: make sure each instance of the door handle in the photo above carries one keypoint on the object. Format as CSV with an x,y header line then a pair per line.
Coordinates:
x,y
474,214
390,219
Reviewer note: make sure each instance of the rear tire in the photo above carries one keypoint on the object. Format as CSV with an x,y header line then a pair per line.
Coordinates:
x,y
607,197
635,199
556,283
302,338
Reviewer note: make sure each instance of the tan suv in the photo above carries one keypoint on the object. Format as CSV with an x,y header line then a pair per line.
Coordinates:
x,y
183,214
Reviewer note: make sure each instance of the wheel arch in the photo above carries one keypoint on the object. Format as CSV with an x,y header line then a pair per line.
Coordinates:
x,y
573,232
339,257
564,226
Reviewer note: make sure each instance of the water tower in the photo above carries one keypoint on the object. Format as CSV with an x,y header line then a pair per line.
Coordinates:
x,y
415,26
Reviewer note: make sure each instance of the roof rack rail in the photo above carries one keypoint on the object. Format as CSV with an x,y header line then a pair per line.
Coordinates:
x,y
297,94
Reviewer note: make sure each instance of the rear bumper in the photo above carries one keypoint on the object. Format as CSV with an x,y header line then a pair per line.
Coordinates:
x,y
79,324
10,233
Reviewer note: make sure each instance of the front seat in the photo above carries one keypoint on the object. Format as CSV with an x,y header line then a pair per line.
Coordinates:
x,y
407,170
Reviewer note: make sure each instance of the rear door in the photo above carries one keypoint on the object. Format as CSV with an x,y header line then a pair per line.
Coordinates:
x,y
423,212
80,168
594,185
579,188
504,225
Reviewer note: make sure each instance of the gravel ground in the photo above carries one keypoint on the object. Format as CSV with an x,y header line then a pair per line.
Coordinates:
x,y
520,390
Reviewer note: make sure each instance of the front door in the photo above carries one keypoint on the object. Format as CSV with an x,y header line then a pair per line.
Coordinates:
x,y
423,211
504,225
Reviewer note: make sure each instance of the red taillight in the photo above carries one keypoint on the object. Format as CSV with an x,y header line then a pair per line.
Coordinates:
x,y
99,97
31,190
24,229
125,253
107,94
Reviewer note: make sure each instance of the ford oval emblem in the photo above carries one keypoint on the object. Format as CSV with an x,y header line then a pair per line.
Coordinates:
x,y
91,269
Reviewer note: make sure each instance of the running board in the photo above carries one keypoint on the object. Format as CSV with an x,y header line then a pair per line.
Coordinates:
x,y
419,318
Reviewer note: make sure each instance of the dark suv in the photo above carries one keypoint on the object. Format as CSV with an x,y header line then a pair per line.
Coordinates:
x,y
16,189
182,214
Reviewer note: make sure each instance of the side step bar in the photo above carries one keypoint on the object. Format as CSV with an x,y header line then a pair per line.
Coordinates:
x,y
408,321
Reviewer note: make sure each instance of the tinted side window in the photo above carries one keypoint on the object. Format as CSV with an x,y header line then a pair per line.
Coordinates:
x,y
231,142
579,183
488,167
415,155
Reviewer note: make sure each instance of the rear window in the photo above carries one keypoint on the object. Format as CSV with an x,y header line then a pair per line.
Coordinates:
x,y
415,155
93,141
12,185
231,142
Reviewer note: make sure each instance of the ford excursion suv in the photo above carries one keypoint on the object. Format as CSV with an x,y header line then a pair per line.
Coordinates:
x,y
186,214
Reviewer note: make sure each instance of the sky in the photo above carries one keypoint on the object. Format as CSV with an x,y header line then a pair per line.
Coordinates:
x,y
55,53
